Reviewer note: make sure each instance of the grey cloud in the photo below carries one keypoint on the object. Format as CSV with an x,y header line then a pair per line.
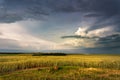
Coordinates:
x,y
9,18
79,37
36,9
112,41
9,44
91,15
104,13
72,36
1,33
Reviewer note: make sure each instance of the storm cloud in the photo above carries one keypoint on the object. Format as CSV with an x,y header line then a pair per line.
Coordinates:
x,y
105,12
81,23
13,10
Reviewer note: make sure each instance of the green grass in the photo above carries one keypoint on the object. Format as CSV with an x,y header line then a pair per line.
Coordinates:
x,y
69,67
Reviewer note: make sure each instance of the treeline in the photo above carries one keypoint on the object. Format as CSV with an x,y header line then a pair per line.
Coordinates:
x,y
49,54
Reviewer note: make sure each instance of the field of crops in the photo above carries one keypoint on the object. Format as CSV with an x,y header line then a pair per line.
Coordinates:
x,y
69,67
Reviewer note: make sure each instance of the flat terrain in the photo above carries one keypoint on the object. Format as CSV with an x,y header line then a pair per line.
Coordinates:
x,y
68,67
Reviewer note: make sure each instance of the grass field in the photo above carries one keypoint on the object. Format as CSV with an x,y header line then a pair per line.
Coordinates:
x,y
69,67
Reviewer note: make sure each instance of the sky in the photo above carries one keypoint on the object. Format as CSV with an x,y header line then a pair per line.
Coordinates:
x,y
75,26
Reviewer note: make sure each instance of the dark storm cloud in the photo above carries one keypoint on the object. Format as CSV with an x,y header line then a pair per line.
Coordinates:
x,y
63,16
111,37
15,10
78,37
112,41
72,36
107,13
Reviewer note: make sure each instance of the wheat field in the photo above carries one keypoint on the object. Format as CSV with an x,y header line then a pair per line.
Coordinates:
x,y
69,67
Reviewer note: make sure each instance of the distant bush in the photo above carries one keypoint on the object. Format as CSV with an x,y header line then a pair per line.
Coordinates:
x,y
49,54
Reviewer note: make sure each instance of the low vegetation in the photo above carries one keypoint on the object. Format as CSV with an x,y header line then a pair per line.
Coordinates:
x,y
49,54
62,67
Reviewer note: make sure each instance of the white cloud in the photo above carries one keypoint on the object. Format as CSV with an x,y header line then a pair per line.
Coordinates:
x,y
80,43
82,31
23,39
101,32
88,39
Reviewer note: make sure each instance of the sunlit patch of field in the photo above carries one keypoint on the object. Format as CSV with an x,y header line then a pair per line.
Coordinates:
x,y
70,67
